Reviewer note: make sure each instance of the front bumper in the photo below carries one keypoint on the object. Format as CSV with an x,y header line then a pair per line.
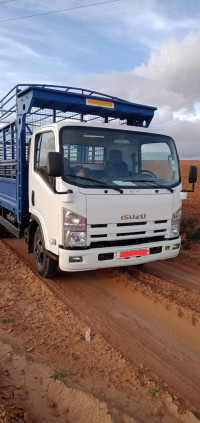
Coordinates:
x,y
99,258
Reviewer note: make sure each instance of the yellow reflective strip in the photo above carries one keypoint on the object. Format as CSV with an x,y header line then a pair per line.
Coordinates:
x,y
99,103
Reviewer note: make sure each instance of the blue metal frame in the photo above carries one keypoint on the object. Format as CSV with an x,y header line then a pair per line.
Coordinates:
x,y
30,106
8,165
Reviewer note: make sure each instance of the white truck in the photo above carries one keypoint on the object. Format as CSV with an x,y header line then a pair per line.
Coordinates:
x,y
84,188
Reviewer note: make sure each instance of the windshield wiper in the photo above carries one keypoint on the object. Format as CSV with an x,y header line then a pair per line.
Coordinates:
x,y
104,184
150,181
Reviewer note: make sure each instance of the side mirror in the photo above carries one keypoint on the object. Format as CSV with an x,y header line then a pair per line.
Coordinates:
x,y
193,174
54,164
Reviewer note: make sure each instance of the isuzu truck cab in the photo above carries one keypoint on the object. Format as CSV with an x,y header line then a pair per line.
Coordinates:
x,y
85,182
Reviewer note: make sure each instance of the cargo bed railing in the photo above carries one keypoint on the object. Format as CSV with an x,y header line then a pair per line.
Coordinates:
x,y
27,107
79,103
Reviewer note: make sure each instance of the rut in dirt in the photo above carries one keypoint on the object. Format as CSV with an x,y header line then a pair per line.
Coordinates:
x,y
152,332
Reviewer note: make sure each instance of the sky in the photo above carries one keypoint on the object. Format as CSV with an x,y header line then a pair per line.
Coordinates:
x,y
144,51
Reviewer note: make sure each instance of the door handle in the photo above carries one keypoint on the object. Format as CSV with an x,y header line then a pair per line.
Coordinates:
x,y
33,198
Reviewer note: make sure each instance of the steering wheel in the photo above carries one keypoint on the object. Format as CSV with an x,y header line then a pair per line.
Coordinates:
x,y
148,172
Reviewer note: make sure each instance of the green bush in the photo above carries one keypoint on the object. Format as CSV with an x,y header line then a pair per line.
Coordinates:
x,y
195,236
187,225
189,231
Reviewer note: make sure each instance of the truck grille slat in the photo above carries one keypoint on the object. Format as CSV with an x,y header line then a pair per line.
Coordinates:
x,y
121,243
131,224
131,233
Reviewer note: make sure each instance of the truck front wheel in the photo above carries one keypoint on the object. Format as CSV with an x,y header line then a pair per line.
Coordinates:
x,y
46,266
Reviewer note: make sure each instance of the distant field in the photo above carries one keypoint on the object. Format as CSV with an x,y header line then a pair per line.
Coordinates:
x,y
191,206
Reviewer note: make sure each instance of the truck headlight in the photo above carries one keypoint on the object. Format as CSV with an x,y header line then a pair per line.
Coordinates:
x,y
75,239
175,224
74,229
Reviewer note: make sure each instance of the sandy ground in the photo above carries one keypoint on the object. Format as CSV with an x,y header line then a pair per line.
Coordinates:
x,y
117,345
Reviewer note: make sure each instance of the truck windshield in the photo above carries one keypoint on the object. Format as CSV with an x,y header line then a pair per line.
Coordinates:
x,y
96,157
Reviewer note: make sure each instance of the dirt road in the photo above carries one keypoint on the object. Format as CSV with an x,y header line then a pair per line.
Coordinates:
x,y
118,345
144,338
187,275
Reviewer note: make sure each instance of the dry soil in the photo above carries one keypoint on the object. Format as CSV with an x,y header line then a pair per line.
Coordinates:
x,y
117,345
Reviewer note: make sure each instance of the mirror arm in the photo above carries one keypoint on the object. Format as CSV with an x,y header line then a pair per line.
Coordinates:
x,y
189,190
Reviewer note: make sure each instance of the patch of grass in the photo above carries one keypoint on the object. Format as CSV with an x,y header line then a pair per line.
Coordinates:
x,y
8,320
187,225
197,413
58,374
154,391
189,231
195,236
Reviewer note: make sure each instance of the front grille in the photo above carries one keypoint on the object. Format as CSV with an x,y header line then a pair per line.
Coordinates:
x,y
129,233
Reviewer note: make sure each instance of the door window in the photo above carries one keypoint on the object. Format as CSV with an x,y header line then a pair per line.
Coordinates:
x,y
45,142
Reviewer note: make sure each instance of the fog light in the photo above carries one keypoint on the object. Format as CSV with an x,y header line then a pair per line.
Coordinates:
x,y
176,247
167,248
77,259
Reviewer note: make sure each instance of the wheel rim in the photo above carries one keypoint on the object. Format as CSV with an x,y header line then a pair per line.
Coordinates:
x,y
39,250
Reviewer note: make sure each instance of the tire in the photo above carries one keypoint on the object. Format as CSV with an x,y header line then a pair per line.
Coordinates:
x,y
45,266
2,231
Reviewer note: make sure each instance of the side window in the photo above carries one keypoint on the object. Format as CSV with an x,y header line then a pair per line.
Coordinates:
x,y
44,143
155,160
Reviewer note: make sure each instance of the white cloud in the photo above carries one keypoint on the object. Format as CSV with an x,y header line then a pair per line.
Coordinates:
x,y
176,66
169,81
67,48
185,134
171,76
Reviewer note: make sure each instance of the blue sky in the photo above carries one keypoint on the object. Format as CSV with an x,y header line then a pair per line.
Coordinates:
x,y
146,51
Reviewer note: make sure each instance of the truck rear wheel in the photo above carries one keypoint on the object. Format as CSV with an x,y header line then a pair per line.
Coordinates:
x,y
46,266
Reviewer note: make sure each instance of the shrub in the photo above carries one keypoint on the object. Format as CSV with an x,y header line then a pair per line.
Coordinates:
x,y
189,231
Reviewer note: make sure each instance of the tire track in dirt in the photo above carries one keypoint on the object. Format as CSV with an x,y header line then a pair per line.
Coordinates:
x,y
140,327
43,334
186,275
157,335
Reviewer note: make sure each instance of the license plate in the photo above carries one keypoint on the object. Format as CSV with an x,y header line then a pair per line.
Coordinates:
x,y
133,253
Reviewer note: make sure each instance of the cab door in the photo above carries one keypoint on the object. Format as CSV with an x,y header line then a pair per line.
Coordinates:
x,y
42,197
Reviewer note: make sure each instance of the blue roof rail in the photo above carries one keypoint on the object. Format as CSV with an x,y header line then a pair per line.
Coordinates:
x,y
78,101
